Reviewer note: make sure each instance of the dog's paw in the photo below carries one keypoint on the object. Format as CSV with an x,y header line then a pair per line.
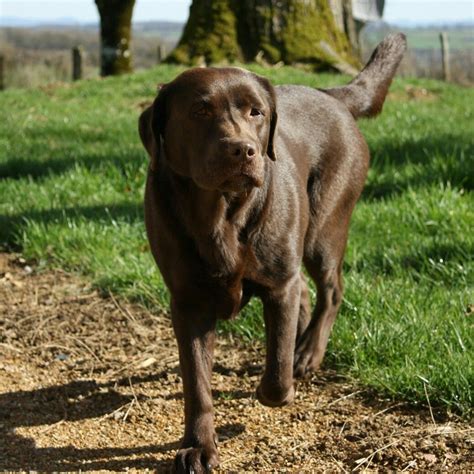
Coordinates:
x,y
307,356
196,460
274,398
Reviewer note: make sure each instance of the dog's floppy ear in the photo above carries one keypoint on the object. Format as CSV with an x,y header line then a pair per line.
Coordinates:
x,y
151,127
271,140
271,97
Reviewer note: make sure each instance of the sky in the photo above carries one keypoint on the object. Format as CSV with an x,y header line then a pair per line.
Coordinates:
x,y
414,11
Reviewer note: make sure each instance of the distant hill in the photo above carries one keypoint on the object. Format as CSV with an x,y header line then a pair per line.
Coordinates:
x,y
435,24
426,37
168,31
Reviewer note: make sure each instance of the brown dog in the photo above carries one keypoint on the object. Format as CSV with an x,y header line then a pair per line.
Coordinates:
x,y
235,203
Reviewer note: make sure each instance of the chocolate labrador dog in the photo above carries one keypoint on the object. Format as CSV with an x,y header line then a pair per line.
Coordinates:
x,y
246,182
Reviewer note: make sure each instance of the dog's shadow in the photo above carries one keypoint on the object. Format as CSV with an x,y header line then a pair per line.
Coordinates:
x,y
76,401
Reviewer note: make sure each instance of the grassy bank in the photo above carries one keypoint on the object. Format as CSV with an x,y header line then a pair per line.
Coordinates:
x,y
72,172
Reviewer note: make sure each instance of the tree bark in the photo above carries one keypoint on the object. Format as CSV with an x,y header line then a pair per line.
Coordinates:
x,y
292,31
115,34
210,34
350,26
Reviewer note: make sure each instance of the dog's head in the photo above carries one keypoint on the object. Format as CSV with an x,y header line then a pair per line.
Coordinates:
x,y
215,126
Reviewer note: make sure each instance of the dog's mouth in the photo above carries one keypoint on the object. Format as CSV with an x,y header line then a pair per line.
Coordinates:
x,y
240,183
237,177
249,176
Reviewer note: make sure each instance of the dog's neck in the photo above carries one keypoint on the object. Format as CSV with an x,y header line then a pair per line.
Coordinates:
x,y
220,224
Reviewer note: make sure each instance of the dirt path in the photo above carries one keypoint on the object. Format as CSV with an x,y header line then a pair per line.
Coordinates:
x,y
92,383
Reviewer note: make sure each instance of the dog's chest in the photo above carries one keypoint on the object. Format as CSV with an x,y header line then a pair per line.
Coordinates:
x,y
228,261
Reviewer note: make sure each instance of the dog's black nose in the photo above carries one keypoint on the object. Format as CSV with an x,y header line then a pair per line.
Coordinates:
x,y
243,150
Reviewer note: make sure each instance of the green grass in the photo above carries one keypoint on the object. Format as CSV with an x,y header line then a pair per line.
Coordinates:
x,y
72,177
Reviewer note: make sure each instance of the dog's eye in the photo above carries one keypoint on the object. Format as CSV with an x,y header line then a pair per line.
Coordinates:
x,y
255,112
202,111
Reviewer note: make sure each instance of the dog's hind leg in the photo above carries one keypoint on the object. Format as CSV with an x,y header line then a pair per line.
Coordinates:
x,y
304,316
280,311
323,262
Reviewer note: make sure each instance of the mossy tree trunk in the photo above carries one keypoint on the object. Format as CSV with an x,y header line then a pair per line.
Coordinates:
x,y
210,33
115,34
291,31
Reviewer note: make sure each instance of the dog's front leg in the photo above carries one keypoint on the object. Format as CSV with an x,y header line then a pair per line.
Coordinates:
x,y
281,309
195,334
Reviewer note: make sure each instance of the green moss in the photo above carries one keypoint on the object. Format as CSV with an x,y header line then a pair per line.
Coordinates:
x,y
272,54
210,34
305,26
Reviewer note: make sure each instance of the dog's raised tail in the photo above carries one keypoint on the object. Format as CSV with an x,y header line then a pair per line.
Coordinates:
x,y
365,95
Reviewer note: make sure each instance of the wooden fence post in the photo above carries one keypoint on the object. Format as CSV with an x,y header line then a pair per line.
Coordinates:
x,y
2,72
160,54
77,53
445,56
